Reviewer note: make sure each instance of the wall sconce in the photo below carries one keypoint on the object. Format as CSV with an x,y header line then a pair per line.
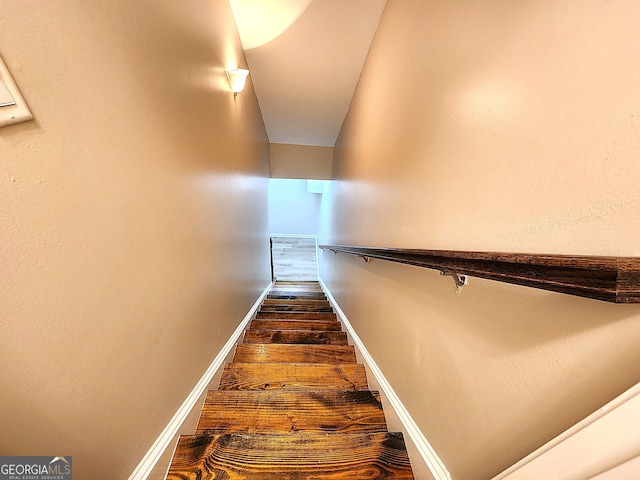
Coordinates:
x,y
237,79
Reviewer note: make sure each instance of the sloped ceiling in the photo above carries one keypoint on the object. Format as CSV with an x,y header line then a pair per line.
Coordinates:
x,y
305,58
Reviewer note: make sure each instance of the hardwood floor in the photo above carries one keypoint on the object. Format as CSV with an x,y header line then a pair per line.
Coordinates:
x,y
293,404
294,258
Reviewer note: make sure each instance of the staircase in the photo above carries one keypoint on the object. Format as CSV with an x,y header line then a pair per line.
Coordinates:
x,y
294,404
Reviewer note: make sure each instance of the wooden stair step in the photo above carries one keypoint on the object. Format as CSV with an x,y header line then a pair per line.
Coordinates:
x,y
296,315
293,287
303,306
304,295
299,337
283,295
273,353
289,411
299,294
293,457
296,291
271,376
297,301
314,325
295,308
303,292
297,283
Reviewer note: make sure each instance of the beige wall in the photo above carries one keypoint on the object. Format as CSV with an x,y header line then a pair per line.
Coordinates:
x,y
501,127
133,221
301,161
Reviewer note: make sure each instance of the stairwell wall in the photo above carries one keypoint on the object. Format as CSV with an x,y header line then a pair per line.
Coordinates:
x,y
133,231
499,127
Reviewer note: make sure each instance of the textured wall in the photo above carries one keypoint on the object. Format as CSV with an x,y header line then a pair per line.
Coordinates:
x,y
498,127
133,221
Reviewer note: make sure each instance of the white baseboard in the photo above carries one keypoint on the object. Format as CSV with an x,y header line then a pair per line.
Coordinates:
x,y
148,462
428,454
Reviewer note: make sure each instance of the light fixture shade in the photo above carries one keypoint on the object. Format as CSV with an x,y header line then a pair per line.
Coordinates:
x,y
237,79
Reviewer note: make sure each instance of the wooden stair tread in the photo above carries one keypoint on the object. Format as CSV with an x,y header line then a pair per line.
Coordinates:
x,y
289,411
303,293
296,284
297,315
296,289
273,352
297,301
314,325
267,376
293,457
295,308
299,337
296,295
284,295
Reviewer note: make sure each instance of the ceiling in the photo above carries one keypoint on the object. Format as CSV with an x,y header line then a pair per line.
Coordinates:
x,y
305,59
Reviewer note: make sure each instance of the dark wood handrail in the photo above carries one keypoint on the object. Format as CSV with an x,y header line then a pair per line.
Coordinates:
x,y
612,279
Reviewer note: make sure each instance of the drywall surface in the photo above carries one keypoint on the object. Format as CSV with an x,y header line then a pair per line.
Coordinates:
x,y
133,237
513,127
292,209
305,57
301,161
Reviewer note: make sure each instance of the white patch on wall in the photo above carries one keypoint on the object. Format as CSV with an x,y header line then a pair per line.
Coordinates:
x,y
13,108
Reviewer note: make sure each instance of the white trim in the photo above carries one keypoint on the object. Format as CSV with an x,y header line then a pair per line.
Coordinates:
x,y
148,462
605,439
428,454
317,259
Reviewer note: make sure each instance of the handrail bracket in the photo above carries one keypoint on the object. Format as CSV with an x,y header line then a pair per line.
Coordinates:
x,y
459,279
